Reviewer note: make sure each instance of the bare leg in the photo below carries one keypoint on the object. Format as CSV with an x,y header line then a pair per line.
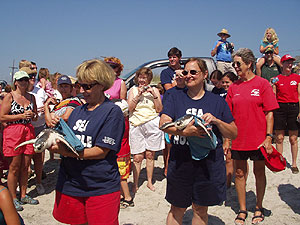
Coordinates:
x,y
26,159
14,173
259,64
137,164
229,169
166,154
125,190
293,137
240,183
200,215
150,168
279,140
260,178
38,166
175,215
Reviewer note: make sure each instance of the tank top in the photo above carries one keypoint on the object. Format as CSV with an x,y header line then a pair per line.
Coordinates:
x,y
114,91
16,109
144,110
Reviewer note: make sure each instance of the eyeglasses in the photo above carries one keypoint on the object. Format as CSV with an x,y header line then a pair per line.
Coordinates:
x,y
24,79
87,87
114,66
237,64
192,72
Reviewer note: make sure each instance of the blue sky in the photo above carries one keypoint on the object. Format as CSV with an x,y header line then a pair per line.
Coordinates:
x,y
60,34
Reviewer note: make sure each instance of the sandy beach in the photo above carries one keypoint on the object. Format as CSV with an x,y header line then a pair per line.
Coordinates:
x,y
281,202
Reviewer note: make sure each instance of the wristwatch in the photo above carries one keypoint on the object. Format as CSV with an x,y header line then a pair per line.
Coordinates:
x,y
270,135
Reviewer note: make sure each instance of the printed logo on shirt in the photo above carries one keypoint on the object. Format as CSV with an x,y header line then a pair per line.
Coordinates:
x,y
255,92
108,140
195,112
293,82
81,125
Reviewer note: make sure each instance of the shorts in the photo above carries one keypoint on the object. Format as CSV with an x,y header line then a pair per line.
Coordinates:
x,y
124,164
146,136
15,134
94,210
254,155
201,182
286,116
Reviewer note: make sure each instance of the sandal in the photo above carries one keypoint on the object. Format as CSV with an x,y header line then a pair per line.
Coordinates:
x,y
261,216
240,218
126,204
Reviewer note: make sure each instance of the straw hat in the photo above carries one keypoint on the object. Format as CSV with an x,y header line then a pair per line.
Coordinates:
x,y
223,31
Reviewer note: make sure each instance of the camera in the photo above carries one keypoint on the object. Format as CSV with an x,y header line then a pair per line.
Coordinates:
x,y
229,47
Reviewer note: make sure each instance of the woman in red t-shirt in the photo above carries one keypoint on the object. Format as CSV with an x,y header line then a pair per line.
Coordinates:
x,y
287,90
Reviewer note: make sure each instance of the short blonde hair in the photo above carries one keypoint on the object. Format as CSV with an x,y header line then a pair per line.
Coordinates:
x,y
96,70
24,63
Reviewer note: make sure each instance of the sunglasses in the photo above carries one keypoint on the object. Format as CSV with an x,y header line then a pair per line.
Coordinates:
x,y
32,76
114,66
87,87
23,79
192,72
237,64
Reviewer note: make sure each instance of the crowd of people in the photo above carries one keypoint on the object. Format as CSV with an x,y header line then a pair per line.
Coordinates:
x,y
119,131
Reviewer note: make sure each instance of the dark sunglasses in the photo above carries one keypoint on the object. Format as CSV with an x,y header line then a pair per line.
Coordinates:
x,y
87,87
193,72
23,79
236,64
114,66
32,76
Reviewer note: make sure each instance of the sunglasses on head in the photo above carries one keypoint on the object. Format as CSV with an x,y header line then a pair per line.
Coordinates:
x,y
87,87
113,66
236,64
24,79
192,72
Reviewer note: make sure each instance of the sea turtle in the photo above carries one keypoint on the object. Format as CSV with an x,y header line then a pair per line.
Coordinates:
x,y
46,139
183,121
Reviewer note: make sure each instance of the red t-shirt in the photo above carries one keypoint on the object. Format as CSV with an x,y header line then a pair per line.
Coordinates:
x,y
287,88
248,102
125,148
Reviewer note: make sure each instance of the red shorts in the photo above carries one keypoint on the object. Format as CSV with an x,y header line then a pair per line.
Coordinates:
x,y
124,164
15,134
94,210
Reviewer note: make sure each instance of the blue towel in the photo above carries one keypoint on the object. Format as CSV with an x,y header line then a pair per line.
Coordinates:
x,y
200,147
63,128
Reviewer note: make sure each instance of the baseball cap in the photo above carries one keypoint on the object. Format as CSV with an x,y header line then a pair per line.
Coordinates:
x,y
64,79
286,57
20,74
274,161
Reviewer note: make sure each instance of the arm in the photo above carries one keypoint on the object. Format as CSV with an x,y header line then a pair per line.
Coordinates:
x,y
95,152
267,143
5,109
156,98
215,50
7,207
133,100
276,50
123,91
48,115
298,117
168,86
228,130
68,112
35,113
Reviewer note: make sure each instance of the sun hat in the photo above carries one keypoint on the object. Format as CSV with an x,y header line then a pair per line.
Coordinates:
x,y
64,79
274,161
224,31
20,74
286,57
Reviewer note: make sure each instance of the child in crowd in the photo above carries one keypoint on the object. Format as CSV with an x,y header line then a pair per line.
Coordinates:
x,y
269,42
215,78
44,74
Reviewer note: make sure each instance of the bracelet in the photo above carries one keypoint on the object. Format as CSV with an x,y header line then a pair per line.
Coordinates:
x,y
155,97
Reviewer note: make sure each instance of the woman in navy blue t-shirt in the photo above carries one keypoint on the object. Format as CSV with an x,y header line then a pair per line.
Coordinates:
x,y
88,187
200,183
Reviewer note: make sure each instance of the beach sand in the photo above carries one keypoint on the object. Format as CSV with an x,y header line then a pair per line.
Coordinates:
x,y
281,202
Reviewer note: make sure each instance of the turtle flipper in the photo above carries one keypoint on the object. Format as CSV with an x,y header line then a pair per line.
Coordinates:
x,y
166,125
32,141
61,138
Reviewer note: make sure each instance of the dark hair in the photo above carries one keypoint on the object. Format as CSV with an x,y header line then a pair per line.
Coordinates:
x,y
174,51
231,76
217,74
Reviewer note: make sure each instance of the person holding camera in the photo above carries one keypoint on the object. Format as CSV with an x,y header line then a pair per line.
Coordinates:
x,y
223,50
